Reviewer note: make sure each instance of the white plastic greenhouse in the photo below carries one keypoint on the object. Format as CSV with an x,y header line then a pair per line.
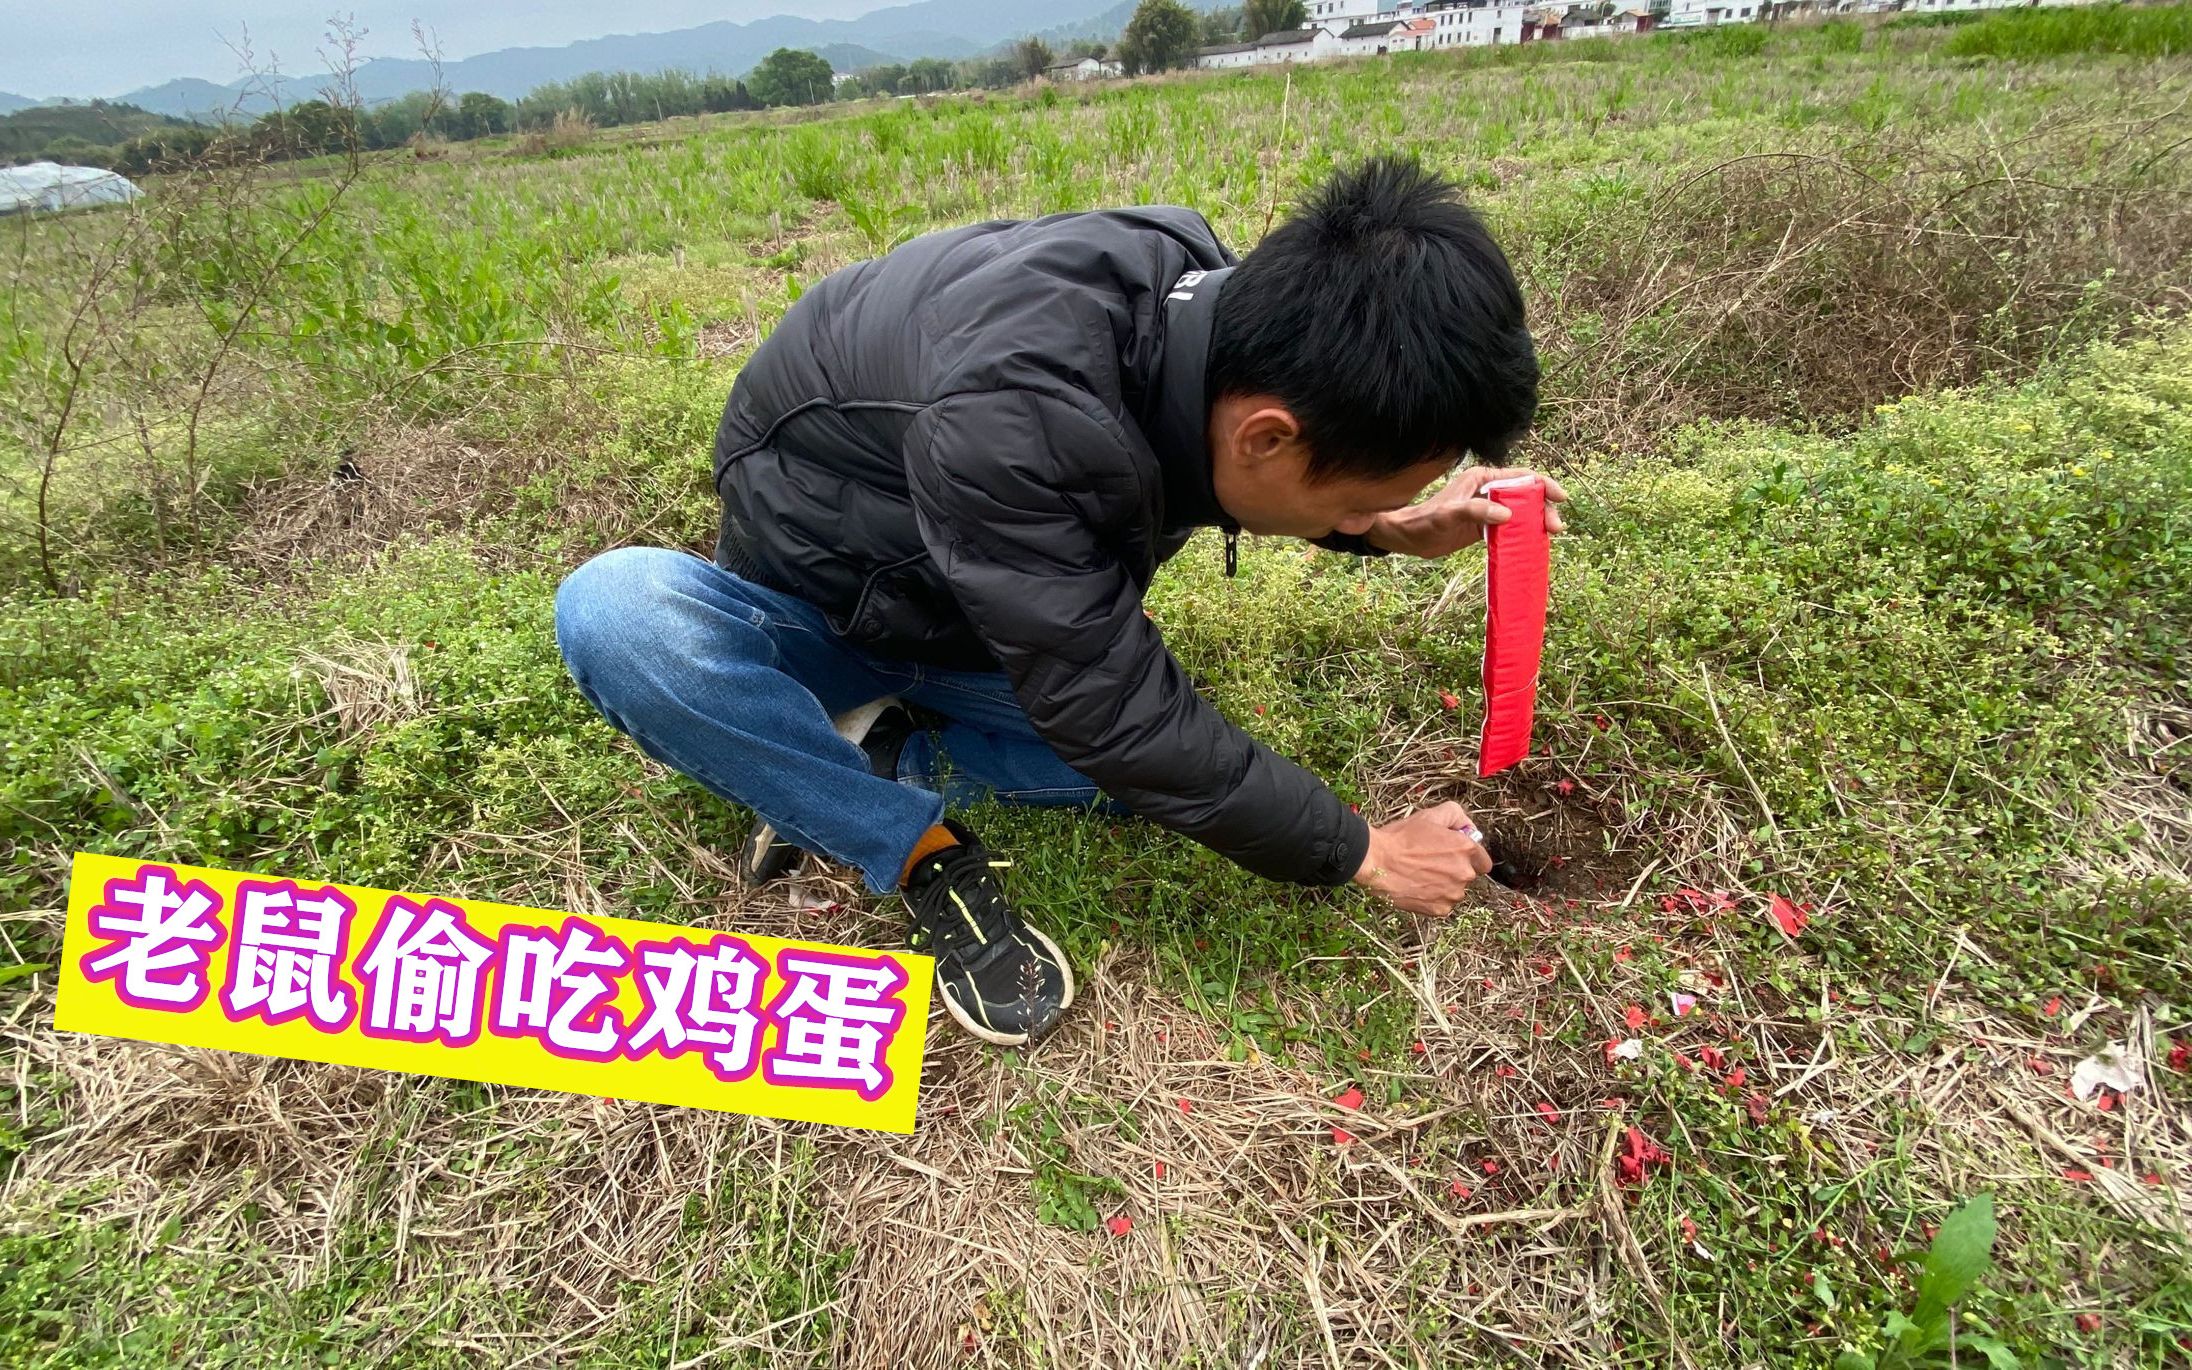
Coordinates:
x,y
49,185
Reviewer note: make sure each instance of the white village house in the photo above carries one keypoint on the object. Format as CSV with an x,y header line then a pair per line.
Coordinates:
x,y
1313,43
1381,37
1456,25
1227,55
1693,13
1083,69
1343,12
1375,28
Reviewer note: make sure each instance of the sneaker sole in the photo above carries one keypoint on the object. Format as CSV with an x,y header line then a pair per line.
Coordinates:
x,y
765,858
1014,1039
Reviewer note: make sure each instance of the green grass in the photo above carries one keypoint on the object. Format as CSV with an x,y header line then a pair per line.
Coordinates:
x,y
1889,655
2024,35
78,1291
1910,722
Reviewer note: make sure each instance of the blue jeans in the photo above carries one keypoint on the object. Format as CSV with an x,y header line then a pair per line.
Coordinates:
x,y
735,686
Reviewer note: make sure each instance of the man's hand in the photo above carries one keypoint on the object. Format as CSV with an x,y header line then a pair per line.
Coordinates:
x,y
1457,515
1424,862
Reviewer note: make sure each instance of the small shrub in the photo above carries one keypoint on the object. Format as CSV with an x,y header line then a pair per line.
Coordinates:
x,y
570,130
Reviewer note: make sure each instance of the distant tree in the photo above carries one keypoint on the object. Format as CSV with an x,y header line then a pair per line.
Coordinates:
x,y
1085,47
791,76
720,94
480,115
925,76
74,151
882,80
305,129
168,150
395,122
1160,36
1031,55
1259,17
1221,26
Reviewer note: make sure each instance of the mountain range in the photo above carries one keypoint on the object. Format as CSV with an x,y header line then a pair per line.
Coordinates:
x,y
928,28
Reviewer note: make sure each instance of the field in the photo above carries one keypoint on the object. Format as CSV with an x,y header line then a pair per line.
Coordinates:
x,y
1868,364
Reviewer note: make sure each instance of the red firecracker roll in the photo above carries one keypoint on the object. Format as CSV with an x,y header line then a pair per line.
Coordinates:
x,y
1519,571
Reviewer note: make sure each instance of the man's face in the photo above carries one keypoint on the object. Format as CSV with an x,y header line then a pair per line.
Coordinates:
x,y
1260,468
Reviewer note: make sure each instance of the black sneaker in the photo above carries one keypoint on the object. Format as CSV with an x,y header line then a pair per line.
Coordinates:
x,y
1004,981
881,729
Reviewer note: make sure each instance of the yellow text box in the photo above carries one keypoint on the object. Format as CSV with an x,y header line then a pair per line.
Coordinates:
x,y
497,993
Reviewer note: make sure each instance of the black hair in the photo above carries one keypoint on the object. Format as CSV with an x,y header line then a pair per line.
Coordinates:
x,y
1387,319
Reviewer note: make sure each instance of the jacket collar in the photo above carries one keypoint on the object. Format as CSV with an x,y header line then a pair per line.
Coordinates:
x,y
1180,403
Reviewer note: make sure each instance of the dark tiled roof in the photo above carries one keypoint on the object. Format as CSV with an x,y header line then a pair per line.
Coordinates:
x,y
1372,30
1286,38
1224,49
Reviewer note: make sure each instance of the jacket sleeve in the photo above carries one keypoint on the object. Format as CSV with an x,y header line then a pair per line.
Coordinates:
x,y
1012,491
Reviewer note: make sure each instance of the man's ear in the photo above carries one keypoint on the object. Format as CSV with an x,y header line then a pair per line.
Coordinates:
x,y
1266,432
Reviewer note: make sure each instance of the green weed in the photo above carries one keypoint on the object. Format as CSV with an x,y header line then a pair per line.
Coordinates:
x,y
2029,34
1961,1251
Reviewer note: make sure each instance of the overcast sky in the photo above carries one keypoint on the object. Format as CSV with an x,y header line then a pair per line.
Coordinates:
x,y
106,47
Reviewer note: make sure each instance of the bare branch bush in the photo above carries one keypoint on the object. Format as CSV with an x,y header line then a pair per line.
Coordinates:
x,y
128,325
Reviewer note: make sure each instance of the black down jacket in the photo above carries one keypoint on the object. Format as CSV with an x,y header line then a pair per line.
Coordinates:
x,y
974,452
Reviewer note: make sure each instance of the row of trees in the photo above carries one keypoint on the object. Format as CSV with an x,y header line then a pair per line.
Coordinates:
x,y
622,97
1024,61
788,76
311,128
315,127
1162,34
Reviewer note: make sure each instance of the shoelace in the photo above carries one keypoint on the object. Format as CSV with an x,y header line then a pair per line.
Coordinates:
x,y
957,922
